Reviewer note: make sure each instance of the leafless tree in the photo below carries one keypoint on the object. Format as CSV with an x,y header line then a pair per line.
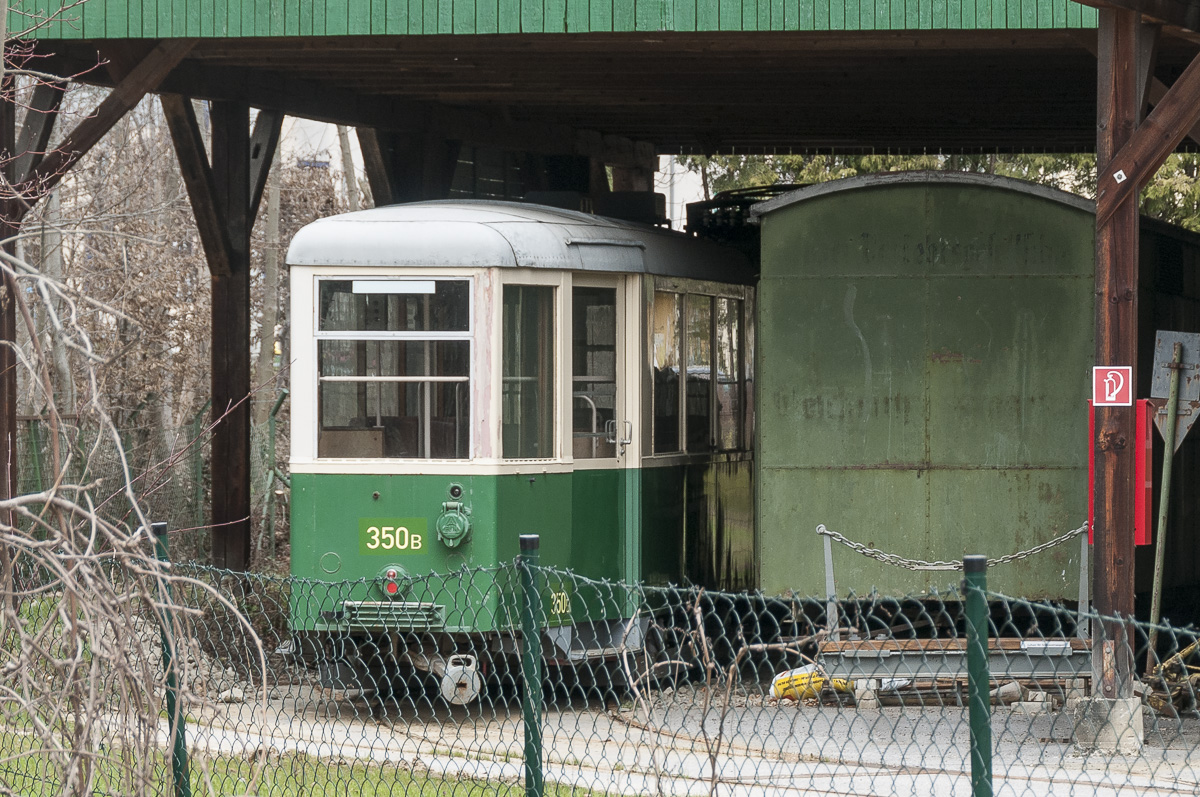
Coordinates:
x,y
111,292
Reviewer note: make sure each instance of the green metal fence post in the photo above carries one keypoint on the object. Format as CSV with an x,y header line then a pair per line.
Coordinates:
x,y
179,755
274,467
531,663
978,680
35,448
198,465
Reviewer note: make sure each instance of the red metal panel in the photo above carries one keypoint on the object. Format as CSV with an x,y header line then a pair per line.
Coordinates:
x,y
1091,473
1143,473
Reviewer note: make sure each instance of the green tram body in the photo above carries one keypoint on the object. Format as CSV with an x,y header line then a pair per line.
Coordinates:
x,y
466,372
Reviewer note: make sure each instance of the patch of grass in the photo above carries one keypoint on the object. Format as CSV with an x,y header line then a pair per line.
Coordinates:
x,y
26,769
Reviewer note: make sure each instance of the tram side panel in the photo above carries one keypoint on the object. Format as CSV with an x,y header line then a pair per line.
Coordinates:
x,y
698,523
697,475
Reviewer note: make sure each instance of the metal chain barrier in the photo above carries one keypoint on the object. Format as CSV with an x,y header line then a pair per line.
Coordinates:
x,y
294,686
920,564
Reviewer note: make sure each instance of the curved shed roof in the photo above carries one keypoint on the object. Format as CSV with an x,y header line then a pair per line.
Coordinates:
x,y
477,233
922,178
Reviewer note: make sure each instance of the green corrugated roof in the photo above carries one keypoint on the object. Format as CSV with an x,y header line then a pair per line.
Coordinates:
x,y
120,19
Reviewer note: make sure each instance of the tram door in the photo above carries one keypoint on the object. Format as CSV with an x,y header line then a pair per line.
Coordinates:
x,y
601,431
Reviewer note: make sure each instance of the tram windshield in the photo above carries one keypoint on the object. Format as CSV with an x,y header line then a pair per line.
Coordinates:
x,y
394,368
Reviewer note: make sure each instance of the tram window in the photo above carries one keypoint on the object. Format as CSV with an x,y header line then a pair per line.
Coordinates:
x,y
528,372
394,305
384,388
394,398
698,400
594,381
728,372
665,366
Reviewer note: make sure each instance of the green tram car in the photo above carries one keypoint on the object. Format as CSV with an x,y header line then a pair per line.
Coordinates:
x,y
469,371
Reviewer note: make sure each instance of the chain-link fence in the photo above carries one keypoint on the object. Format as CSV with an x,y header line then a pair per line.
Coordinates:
x,y
418,685
169,475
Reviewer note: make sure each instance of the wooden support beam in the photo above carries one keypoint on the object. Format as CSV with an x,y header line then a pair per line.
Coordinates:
x,y
1179,13
314,100
200,182
1155,88
225,197
143,78
1147,55
1119,93
231,340
378,175
1177,112
263,142
1156,92
40,115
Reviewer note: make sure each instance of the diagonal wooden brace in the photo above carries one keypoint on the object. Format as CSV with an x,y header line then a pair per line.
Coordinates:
x,y
198,177
142,79
1177,112
263,141
40,116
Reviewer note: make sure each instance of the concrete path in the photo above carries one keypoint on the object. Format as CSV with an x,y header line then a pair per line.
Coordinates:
x,y
667,747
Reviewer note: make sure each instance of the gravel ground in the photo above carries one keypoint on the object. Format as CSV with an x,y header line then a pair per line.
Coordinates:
x,y
667,744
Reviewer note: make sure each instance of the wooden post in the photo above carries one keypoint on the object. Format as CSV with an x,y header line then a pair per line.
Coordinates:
x,y
231,340
379,176
1118,108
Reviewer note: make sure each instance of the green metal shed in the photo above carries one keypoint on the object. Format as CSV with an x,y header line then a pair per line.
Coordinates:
x,y
924,358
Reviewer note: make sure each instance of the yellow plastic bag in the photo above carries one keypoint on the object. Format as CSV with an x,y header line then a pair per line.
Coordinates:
x,y
805,683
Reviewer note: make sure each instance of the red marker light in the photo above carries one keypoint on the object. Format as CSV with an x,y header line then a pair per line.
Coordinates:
x,y
391,588
391,574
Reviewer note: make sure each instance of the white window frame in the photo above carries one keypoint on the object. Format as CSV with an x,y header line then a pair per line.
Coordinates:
x,y
561,282
306,370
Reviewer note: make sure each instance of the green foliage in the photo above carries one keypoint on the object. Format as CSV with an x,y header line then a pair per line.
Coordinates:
x,y
1174,193
1172,196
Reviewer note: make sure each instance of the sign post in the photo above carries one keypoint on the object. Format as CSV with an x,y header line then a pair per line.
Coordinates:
x,y
1172,378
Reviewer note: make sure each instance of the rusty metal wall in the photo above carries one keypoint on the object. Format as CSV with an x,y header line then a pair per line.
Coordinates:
x,y
925,355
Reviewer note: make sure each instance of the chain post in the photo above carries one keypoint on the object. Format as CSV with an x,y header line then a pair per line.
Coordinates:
x,y
531,663
179,754
978,679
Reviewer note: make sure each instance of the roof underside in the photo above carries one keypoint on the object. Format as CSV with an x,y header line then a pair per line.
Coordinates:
x,y
949,76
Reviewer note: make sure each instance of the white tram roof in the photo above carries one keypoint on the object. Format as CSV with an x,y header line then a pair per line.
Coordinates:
x,y
477,233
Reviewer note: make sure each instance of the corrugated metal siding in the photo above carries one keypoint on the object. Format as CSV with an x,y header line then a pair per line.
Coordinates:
x,y
119,19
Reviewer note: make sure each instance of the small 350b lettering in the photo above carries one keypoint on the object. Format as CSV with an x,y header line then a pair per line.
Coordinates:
x,y
395,535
